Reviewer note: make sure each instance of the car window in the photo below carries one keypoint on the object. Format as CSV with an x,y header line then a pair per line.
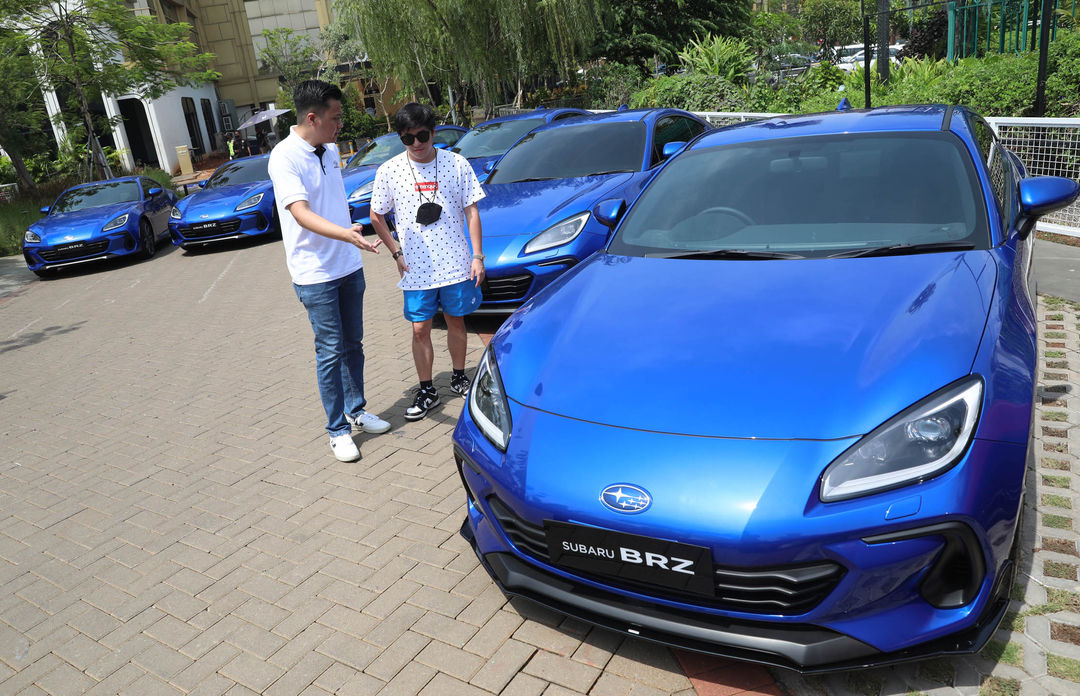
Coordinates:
x,y
493,139
447,136
672,129
574,150
105,193
147,184
239,172
811,196
568,114
990,147
378,151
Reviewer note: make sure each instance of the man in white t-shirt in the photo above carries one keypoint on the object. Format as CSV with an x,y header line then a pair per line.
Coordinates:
x,y
322,252
433,193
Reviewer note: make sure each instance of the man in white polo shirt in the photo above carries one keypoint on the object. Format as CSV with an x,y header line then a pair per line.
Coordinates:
x,y
322,252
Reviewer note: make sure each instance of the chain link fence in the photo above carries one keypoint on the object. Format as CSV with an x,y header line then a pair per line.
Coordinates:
x,y
8,192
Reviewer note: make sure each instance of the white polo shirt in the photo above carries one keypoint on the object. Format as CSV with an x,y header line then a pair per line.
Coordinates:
x,y
298,175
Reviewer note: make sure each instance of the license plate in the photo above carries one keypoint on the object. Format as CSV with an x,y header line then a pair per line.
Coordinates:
x,y
631,557
204,226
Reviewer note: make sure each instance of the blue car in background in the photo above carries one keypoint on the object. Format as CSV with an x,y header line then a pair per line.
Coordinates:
x,y
537,216
237,201
785,414
488,141
99,220
359,172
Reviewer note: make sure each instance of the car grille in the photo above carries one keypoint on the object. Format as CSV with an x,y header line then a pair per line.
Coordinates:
x,y
507,289
786,591
74,251
210,229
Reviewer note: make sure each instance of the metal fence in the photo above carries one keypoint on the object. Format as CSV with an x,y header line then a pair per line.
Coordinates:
x,y
8,192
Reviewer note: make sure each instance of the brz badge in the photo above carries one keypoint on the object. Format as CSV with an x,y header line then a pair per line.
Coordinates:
x,y
625,498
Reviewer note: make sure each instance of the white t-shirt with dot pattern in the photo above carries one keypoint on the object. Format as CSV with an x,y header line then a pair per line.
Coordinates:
x,y
437,254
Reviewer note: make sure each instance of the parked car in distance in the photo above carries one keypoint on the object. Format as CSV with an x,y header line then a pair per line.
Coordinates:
x,y
785,414
855,60
537,215
99,220
488,141
359,172
237,201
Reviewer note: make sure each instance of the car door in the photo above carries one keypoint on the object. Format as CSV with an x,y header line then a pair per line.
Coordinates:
x,y
157,207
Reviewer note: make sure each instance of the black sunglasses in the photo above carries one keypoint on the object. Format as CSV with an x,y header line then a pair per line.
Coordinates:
x,y
423,136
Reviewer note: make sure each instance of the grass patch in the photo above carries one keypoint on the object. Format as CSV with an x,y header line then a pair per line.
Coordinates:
x,y
1055,481
863,683
1057,521
1016,621
1055,447
1055,317
1063,667
1056,416
938,671
1056,501
1054,353
1059,464
1054,334
1057,569
998,686
1000,651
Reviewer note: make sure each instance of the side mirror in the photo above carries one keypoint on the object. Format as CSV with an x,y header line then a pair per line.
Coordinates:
x,y
154,192
1040,195
45,210
202,184
673,148
489,166
609,211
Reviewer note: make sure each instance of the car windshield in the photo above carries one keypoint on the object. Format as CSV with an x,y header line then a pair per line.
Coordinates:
x,y
107,193
491,139
579,150
819,196
239,172
378,151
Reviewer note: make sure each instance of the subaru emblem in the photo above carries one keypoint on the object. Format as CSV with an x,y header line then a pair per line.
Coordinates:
x,y
204,216
625,498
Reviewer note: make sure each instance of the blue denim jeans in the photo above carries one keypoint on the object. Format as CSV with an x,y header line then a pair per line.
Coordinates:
x,y
336,312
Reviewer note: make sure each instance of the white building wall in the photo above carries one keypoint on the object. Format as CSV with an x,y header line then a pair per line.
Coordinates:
x,y
166,117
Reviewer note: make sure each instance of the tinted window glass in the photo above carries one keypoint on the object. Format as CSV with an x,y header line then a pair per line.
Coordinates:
x,y
811,196
448,136
574,150
673,129
491,139
96,195
240,172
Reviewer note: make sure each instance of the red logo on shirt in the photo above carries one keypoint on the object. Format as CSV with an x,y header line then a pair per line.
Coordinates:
x,y
427,186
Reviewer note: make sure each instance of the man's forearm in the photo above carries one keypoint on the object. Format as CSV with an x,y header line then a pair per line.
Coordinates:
x,y
309,220
383,230
476,234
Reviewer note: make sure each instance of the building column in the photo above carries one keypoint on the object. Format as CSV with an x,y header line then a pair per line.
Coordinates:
x,y
119,132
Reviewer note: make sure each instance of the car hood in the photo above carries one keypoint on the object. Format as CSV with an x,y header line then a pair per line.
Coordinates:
x,y
223,199
814,349
80,224
531,207
353,178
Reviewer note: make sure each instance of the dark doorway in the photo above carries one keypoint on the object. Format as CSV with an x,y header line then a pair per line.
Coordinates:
x,y
138,132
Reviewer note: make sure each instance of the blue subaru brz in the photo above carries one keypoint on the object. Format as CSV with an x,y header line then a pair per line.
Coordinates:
x,y
237,201
537,220
488,141
785,414
359,173
99,220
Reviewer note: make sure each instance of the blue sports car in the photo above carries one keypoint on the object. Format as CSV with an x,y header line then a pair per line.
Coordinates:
x,y
488,141
359,172
537,215
99,220
236,201
785,414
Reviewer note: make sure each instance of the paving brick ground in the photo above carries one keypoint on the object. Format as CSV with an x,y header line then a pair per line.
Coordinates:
x,y
172,522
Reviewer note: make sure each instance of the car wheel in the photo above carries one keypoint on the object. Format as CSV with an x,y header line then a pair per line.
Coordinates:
x,y
148,239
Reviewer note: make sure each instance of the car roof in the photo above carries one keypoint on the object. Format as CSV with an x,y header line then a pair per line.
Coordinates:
x,y
543,111
132,177
619,116
919,117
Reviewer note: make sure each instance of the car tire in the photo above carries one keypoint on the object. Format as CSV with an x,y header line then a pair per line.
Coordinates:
x,y
147,239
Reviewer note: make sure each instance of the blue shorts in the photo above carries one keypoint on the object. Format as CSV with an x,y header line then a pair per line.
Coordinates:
x,y
457,300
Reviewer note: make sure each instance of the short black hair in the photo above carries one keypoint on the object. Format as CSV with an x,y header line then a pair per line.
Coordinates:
x,y
414,115
313,96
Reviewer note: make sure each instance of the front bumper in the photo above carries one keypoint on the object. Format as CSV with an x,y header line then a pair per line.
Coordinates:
x,y
877,613
186,233
40,257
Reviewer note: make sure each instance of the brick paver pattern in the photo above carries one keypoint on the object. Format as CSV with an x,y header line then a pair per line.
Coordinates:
x,y
172,520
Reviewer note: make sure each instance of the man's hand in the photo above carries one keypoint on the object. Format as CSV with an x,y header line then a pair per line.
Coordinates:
x,y
477,272
402,267
356,238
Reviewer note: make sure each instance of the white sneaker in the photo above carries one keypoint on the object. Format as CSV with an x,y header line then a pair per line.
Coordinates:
x,y
344,448
368,422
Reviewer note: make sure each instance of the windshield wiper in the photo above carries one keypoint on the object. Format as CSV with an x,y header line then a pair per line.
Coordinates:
x,y
726,254
524,181
610,171
899,249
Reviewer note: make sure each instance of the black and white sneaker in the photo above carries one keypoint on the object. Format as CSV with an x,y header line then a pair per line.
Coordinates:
x,y
459,384
424,402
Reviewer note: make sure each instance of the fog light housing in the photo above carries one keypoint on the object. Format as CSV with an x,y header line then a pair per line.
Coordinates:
x,y
954,578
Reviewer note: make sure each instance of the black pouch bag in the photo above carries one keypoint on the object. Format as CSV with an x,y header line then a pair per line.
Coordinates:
x,y
428,213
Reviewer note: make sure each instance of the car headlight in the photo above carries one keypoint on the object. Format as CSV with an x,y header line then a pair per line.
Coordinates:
x,y
174,214
117,222
250,202
918,443
364,190
31,237
487,402
558,234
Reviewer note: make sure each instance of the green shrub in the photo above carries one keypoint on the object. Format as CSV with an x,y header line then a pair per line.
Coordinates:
x,y
7,171
610,84
693,92
727,57
997,85
1063,75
